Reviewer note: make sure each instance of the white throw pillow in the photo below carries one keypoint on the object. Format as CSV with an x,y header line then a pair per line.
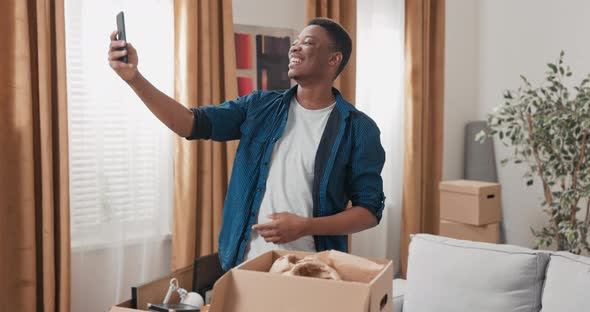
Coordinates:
x,y
449,275
567,284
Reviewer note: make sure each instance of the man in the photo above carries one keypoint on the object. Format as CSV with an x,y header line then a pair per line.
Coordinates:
x,y
303,153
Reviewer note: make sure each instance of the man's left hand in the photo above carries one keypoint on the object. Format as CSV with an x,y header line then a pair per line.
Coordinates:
x,y
284,228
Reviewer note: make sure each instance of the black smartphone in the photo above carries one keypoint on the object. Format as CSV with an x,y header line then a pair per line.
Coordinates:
x,y
121,35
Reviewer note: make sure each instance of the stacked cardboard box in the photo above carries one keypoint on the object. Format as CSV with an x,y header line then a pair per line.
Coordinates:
x,y
470,210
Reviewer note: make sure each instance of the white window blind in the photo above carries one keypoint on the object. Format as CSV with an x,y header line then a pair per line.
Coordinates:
x,y
120,154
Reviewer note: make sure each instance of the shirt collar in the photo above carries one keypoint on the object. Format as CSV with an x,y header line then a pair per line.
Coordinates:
x,y
342,105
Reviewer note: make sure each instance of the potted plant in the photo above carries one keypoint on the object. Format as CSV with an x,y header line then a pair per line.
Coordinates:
x,y
549,127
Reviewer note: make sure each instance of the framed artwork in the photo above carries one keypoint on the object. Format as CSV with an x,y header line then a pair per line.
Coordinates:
x,y
262,58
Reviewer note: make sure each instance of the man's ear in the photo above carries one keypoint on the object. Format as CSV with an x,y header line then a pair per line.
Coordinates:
x,y
335,59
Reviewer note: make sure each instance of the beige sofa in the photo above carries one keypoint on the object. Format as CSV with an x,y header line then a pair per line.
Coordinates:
x,y
449,275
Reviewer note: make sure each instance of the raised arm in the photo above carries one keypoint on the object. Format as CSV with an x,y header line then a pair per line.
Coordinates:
x,y
173,114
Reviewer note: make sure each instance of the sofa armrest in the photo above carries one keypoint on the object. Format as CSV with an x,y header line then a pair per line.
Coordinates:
x,y
399,290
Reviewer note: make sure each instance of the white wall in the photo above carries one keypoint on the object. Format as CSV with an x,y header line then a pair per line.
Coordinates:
x,y
461,81
508,38
270,13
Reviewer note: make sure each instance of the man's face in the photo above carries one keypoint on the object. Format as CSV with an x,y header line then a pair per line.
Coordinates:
x,y
311,55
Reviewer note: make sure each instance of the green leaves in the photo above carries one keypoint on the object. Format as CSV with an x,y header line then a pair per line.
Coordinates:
x,y
526,82
544,126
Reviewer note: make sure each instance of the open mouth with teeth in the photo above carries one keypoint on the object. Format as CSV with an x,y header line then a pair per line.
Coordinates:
x,y
294,61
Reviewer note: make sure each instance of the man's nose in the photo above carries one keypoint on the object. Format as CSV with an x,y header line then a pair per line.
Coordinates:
x,y
295,47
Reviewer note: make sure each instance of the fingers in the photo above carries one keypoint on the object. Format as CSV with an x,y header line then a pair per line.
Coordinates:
x,y
120,65
115,55
116,45
130,47
269,233
273,239
264,226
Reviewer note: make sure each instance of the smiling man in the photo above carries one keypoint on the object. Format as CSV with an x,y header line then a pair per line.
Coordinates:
x,y
303,154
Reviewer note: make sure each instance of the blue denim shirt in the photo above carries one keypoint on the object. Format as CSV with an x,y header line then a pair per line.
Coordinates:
x,y
348,163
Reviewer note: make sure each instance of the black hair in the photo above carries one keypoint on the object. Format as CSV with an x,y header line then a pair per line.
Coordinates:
x,y
340,38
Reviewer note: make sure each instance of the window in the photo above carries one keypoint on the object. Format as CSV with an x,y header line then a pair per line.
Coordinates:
x,y
120,154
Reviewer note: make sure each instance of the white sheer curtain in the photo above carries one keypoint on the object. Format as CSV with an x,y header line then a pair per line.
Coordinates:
x,y
120,154
379,93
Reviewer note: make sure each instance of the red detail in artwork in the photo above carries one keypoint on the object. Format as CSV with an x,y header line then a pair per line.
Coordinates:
x,y
245,86
244,51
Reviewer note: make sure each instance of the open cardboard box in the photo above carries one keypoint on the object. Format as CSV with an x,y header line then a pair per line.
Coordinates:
x,y
366,286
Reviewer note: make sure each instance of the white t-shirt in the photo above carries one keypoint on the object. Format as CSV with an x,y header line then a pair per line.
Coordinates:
x,y
290,176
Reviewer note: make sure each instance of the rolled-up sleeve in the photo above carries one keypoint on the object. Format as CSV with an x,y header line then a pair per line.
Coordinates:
x,y
201,125
365,185
220,122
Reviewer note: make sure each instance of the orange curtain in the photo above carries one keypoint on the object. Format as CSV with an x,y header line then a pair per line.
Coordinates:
x,y
34,200
343,12
205,74
424,101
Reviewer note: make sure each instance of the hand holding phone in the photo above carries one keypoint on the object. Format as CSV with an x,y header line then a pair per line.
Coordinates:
x,y
122,55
